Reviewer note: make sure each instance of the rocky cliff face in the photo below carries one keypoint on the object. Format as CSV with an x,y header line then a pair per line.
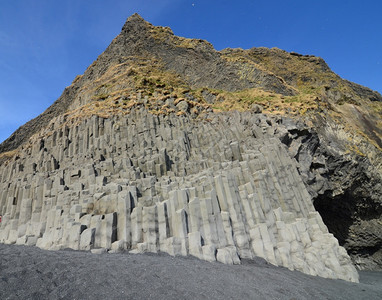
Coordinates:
x,y
345,187
143,152
219,189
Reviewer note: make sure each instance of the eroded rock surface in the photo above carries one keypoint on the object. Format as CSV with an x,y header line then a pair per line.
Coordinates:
x,y
222,189
144,152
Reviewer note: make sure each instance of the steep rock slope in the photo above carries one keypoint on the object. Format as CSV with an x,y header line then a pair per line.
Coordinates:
x,y
149,69
142,44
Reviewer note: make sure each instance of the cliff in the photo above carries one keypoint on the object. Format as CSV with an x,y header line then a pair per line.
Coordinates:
x,y
165,144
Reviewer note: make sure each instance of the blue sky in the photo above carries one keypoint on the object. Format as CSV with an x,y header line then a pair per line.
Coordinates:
x,y
44,44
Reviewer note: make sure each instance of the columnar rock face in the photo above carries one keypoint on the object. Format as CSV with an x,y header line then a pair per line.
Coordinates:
x,y
335,135
221,189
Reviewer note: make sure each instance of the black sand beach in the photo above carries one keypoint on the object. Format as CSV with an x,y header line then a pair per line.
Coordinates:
x,y
32,273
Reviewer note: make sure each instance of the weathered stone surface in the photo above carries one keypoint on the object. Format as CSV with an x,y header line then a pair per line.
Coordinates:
x,y
221,198
87,239
346,190
219,187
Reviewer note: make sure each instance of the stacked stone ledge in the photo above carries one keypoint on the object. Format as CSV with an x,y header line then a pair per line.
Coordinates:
x,y
220,190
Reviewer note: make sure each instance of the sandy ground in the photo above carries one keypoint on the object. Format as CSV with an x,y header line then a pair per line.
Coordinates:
x,y
32,273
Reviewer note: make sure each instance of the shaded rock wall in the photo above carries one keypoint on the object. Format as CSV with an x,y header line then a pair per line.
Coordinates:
x,y
346,189
220,189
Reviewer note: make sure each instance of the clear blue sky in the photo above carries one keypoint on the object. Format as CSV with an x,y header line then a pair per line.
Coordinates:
x,y
44,44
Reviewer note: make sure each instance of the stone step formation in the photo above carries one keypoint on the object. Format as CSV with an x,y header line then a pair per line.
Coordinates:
x,y
220,189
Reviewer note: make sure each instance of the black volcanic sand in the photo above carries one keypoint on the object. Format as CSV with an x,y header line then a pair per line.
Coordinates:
x,y
32,273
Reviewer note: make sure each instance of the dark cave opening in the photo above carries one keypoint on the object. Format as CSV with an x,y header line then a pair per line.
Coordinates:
x,y
337,214
343,214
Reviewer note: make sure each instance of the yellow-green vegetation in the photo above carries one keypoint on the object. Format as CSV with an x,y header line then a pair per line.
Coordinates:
x,y
301,71
105,109
319,91
147,76
137,81
376,108
306,74
241,58
135,74
270,102
355,149
116,104
144,82
101,96
5,156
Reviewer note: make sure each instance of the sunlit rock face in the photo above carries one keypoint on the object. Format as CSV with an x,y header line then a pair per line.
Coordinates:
x,y
221,189
165,144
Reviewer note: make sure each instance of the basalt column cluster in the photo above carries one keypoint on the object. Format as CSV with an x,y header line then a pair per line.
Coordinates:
x,y
220,189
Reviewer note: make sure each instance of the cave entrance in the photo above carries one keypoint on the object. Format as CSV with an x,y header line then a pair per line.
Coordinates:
x,y
337,214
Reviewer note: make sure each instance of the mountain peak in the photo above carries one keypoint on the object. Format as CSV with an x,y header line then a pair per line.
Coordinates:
x,y
135,21
135,17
